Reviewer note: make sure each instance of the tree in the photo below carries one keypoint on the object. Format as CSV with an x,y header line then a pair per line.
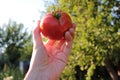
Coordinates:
x,y
97,36
14,42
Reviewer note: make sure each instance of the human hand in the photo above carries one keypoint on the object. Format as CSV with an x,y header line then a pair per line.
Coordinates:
x,y
50,58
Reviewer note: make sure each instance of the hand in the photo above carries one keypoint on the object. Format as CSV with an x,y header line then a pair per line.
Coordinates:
x,y
50,58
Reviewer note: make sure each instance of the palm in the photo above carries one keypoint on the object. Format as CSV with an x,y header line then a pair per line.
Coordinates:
x,y
55,58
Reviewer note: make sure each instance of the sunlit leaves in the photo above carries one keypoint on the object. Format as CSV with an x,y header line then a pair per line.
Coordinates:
x,y
97,33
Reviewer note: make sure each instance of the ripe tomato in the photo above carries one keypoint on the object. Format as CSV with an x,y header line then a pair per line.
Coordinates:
x,y
55,24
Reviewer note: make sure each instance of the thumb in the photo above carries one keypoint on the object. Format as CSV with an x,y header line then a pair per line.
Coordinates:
x,y
37,39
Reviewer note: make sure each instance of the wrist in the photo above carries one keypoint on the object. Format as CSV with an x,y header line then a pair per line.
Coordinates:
x,y
34,74
31,75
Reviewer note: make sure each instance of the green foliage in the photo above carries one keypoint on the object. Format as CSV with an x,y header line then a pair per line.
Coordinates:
x,y
15,42
13,73
90,71
97,34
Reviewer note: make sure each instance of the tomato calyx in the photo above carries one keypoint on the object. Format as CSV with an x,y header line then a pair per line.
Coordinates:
x,y
57,15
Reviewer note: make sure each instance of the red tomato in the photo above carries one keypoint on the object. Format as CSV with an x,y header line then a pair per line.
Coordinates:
x,y
55,24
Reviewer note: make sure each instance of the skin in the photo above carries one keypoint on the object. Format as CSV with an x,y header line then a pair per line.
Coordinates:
x,y
49,59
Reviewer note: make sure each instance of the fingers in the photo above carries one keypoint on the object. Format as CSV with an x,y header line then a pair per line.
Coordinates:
x,y
64,44
37,40
69,36
71,31
74,25
68,44
36,31
60,44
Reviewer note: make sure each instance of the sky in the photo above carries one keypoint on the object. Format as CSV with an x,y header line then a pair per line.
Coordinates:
x,y
21,11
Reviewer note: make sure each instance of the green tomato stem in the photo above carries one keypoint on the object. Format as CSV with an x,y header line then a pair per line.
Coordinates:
x,y
57,15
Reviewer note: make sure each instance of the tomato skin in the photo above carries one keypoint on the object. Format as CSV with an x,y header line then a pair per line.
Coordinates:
x,y
54,28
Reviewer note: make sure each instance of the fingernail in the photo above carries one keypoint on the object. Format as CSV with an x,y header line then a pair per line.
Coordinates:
x,y
68,36
71,30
